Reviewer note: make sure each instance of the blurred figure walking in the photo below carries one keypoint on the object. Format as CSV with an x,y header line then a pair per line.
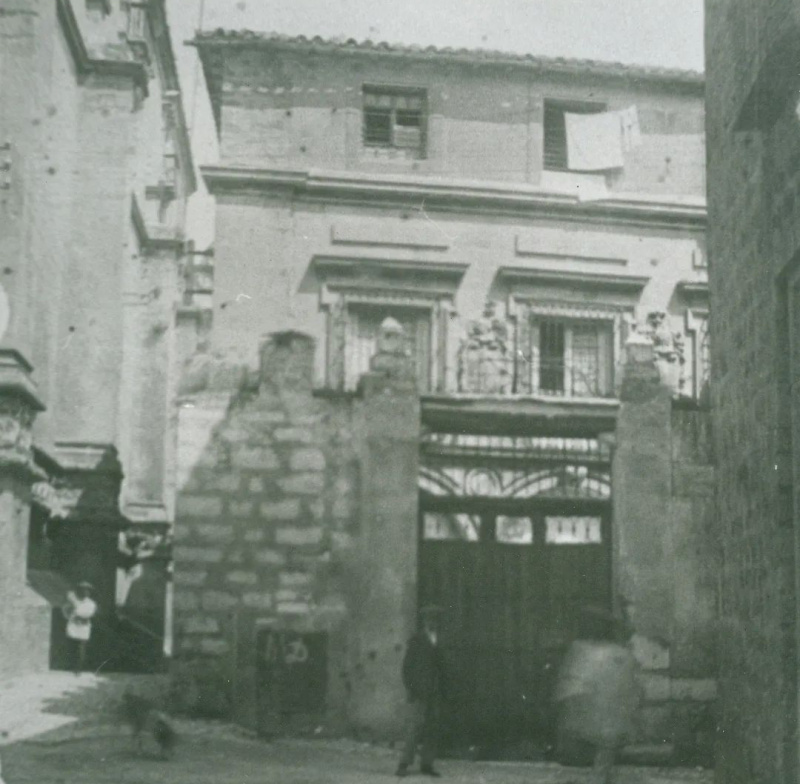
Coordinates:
x,y
598,692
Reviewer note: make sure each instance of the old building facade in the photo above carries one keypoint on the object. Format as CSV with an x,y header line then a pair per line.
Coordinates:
x,y
458,355
96,170
753,154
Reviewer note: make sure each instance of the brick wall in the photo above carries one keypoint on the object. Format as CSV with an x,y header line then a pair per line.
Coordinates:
x,y
754,211
303,110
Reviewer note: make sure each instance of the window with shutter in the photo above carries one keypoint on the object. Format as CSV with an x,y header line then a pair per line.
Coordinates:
x,y
555,129
395,119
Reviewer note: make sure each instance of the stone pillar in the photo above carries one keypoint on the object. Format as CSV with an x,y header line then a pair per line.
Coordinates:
x,y
25,616
641,478
388,427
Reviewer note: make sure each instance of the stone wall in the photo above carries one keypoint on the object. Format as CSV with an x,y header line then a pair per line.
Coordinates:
x,y
754,212
664,563
278,529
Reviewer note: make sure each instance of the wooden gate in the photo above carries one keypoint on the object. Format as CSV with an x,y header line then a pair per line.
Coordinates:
x,y
512,572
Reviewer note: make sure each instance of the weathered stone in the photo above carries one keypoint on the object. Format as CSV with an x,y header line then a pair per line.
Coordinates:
x,y
261,458
317,509
183,577
650,654
264,417
257,601
242,578
255,535
300,435
256,485
281,510
200,624
303,484
240,508
697,689
199,506
182,532
270,557
214,646
185,600
215,532
295,579
656,687
298,536
197,554
225,483
293,608
307,459
342,541
287,595
215,601
342,509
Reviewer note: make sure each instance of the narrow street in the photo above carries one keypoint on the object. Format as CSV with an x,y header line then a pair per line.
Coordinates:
x,y
225,758
66,730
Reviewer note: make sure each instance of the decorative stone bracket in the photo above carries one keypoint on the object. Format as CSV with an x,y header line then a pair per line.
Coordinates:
x,y
667,347
19,404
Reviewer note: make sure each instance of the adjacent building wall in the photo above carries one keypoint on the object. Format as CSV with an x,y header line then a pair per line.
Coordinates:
x,y
754,211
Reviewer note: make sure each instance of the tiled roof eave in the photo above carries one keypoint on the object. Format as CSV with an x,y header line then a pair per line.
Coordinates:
x,y
246,39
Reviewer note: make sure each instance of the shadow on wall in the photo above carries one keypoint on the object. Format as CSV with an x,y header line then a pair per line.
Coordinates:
x,y
264,539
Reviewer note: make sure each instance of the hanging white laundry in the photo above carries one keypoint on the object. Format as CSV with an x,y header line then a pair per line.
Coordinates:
x,y
594,141
631,133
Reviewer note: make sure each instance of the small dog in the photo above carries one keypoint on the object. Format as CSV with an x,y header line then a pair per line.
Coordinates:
x,y
143,716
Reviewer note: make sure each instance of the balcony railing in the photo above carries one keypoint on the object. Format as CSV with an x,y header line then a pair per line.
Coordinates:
x,y
533,375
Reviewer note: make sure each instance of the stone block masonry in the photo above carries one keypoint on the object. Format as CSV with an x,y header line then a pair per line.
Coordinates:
x,y
269,519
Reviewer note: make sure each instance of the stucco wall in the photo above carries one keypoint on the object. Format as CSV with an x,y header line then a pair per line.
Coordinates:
x,y
264,249
302,110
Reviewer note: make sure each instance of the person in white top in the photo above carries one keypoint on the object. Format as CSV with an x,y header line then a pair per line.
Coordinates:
x,y
79,611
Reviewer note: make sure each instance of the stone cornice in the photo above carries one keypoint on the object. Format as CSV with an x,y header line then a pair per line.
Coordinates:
x,y
165,55
152,237
570,278
457,195
86,64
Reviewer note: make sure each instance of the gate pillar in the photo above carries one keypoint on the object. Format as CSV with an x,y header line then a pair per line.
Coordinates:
x,y
25,640
388,428
642,481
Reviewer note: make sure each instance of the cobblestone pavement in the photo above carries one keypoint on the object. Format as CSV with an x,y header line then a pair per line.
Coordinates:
x,y
65,730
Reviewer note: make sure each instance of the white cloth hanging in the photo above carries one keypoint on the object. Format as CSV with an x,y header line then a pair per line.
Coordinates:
x,y
594,141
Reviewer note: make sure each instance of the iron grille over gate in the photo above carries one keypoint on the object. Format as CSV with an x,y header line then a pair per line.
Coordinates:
x,y
514,467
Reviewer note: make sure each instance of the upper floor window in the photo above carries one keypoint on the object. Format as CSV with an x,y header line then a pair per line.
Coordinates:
x,y
395,119
573,358
556,151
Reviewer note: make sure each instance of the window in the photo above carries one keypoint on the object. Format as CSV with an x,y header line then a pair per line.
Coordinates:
x,y
361,340
555,130
573,530
395,120
573,358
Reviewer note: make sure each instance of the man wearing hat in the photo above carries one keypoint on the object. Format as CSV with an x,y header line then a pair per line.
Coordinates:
x,y
422,677
79,611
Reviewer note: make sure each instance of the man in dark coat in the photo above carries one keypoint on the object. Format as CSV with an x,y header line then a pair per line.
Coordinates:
x,y
422,677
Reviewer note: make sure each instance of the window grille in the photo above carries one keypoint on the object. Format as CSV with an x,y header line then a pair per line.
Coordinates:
x,y
555,129
575,358
395,119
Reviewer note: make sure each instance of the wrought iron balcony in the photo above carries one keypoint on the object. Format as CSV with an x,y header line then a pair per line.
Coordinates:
x,y
584,377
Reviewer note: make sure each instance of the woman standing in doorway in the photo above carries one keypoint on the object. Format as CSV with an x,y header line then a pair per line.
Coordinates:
x,y
79,611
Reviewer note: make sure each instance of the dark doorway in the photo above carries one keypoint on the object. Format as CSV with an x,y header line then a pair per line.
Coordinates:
x,y
512,548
